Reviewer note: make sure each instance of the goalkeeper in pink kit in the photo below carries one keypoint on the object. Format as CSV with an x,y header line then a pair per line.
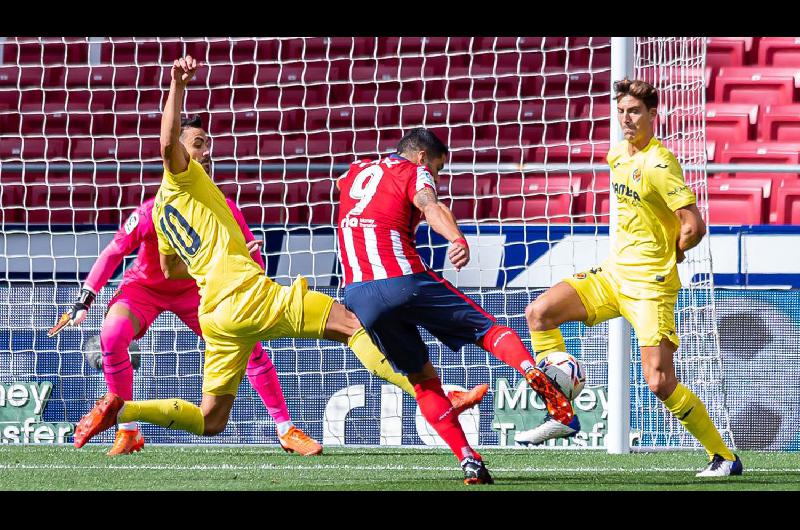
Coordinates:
x,y
143,295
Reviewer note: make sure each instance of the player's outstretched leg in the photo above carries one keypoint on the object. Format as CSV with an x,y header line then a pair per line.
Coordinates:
x,y
441,415
376,362
561,303
264,379
119,330
504,343
659,372
102,416
169,413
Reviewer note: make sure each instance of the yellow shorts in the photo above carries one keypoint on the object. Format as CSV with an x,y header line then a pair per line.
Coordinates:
x,y
262,310
652,319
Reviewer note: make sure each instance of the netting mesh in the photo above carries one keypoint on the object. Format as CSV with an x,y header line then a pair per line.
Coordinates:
x,y
526,120
676,67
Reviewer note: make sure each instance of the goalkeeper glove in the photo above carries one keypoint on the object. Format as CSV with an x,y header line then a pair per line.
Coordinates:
x,y
75,316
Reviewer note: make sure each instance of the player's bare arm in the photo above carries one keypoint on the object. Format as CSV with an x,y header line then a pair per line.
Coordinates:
x,y
693,228
173,267
173,153
443,222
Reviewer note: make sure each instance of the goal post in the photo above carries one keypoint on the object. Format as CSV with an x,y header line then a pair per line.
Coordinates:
x,y
619,329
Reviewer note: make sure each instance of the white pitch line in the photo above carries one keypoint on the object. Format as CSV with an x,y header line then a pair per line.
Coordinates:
x,y
271,467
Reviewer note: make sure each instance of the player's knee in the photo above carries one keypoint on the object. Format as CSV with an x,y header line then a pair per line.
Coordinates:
x,y
213,428
216,410
215,423
662,384
537,315
116,335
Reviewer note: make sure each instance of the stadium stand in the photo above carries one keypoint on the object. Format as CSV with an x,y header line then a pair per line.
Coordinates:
x,y
325,107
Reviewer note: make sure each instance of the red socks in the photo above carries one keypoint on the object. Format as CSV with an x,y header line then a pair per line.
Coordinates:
x,y
504,343
436,408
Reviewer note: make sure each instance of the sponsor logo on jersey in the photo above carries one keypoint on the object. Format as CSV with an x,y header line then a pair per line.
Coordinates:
x,y
677,190
622,190
354,222
132,222
637,175
580,276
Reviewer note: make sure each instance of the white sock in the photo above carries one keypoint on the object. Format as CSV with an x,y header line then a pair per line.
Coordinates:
x,y
526,365
130,426
283,427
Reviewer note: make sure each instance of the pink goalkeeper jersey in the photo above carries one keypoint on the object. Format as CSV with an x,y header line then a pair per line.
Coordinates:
x,y
378,219
138,232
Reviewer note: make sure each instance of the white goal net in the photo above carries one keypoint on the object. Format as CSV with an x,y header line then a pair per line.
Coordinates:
x,y
527,122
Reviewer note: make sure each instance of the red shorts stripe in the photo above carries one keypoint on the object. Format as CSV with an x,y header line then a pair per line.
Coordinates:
x,y
461,295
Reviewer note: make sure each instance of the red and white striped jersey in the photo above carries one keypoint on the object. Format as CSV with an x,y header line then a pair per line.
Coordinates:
x,y
378,219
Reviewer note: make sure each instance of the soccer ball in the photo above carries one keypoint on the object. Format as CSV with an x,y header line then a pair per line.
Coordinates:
x,y
566,371
94,357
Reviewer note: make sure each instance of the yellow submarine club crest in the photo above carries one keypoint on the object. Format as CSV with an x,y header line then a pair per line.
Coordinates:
x,y
637,175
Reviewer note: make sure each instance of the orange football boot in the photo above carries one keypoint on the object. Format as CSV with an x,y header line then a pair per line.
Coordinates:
x,y
126,442
461,401
558,406
296,441
100,418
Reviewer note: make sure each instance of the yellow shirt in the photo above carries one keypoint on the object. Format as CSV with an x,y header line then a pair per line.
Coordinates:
x,y
648,187
192,218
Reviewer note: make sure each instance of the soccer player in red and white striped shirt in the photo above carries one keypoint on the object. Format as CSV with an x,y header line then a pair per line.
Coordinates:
x,y
392,291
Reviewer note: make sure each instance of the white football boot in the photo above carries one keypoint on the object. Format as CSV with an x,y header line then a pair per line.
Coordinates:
x,y
719,467
548,430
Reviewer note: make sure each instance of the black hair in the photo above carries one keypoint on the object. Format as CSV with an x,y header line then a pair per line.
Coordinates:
x,y
421,139
191,121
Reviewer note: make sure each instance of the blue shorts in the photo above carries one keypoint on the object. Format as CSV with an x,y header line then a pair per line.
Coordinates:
x,y
391,309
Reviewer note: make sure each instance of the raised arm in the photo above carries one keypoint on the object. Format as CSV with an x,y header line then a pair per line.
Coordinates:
x,y
173,153
443,222
693,228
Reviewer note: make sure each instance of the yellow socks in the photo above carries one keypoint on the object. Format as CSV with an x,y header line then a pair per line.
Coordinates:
x,y
377,363
694,417
169,413
545,342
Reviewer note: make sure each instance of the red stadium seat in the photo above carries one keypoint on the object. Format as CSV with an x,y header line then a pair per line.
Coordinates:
x,y
730,122
788,202
11,122
593,202
779,51
779,123
576,153
757,84
11,202
46,51
468,196
758,153
738,201
727,51
537,199
11,148
49,148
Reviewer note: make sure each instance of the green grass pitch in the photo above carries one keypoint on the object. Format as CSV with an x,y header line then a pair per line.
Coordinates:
x,y
185,468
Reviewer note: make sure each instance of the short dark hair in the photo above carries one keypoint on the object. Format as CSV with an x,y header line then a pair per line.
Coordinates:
x,y
191,121
639,89
422,139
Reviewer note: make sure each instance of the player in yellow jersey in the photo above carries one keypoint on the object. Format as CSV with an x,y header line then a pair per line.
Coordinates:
x,y
658,222
199,238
